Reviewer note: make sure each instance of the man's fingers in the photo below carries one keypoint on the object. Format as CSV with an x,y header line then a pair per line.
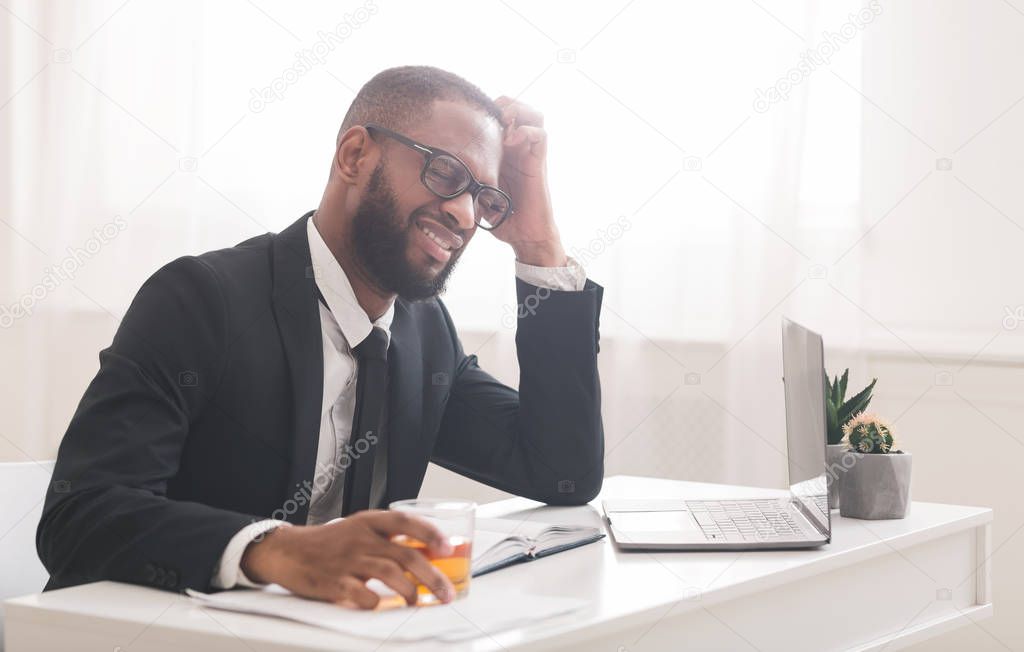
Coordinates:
x,y
534,137
414,562
389,572
353,592
389,524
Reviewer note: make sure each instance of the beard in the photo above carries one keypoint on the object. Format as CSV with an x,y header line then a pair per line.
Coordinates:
x,y
381,240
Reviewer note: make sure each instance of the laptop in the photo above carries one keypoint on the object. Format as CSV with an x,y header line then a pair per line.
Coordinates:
x,y
800,519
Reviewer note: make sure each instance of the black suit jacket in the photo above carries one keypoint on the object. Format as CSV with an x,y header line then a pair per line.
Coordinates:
x,y
204,415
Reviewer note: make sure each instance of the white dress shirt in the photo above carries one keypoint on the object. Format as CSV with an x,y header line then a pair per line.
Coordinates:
x,y
343,326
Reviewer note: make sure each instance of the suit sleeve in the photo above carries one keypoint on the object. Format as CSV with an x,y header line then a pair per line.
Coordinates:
x,y
107,515
545,441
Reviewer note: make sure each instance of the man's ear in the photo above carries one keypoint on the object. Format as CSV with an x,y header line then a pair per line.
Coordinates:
x,y
355,153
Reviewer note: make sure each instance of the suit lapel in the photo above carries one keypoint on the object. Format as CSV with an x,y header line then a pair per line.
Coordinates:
x,y
298,320
405,407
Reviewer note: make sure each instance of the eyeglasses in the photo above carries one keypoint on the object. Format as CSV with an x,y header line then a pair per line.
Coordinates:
x,y
447,176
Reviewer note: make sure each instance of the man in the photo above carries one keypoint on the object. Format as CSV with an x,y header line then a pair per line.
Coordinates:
x,y
253,395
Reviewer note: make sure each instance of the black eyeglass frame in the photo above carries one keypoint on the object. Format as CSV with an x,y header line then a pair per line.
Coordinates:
x,y
430,153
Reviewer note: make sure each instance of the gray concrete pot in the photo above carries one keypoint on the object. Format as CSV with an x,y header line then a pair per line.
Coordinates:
x,y
876,486
835,468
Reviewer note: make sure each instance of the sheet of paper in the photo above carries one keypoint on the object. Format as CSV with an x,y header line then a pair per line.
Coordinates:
x,y
483,612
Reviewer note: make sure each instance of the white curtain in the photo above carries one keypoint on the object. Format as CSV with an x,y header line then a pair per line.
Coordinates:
x,y
705,201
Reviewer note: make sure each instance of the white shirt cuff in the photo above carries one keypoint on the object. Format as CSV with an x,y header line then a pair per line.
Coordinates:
x,y
570,278
228,573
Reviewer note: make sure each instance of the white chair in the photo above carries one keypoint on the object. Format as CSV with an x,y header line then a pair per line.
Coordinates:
x,y
22,486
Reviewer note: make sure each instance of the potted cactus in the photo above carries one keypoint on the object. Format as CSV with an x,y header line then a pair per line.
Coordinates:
x,y
876,481
838,412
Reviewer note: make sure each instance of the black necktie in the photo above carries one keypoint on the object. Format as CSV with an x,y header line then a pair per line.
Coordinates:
x,y
371,397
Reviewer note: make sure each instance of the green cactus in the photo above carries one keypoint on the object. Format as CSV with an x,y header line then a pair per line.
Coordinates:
x,y
838,410
867,433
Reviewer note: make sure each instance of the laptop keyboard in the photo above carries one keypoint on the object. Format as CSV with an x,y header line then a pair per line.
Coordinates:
x,y
744,520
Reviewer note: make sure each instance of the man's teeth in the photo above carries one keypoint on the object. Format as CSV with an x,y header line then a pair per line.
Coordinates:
x,y
433,236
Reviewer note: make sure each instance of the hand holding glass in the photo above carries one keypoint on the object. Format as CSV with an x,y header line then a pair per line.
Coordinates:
x,y
456,520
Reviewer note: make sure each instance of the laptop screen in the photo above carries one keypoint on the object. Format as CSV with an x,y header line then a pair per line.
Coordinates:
x,y
803,368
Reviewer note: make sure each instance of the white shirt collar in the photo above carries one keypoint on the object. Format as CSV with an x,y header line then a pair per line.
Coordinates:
x,y
334,284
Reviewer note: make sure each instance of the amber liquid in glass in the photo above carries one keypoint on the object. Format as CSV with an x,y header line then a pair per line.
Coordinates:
x,y
456,566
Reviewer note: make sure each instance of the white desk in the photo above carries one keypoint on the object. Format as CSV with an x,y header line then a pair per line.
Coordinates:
x,y
880,584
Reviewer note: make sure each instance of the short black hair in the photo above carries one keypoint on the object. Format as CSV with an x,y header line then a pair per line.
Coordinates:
x,y
398,98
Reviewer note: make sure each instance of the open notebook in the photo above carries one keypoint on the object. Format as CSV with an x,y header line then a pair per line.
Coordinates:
x,y
500,542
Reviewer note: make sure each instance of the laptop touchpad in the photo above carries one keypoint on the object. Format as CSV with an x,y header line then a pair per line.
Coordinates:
x,y
678,521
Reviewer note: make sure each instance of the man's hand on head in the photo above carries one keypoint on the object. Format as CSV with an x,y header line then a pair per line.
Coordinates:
x,y
531,229
333,562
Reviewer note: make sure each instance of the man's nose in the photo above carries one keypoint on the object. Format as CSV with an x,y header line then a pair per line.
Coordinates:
x,y
461,210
